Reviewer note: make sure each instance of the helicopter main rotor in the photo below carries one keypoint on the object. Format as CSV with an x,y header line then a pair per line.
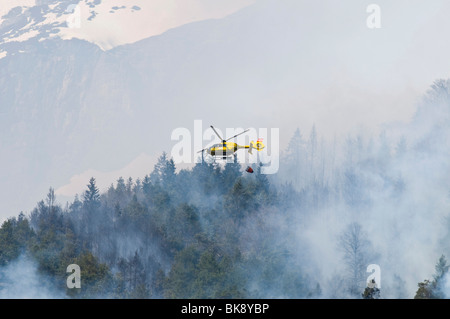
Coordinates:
x,y
223,140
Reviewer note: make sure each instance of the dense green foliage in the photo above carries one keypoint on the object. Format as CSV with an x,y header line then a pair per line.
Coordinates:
x,y
189,234
215,231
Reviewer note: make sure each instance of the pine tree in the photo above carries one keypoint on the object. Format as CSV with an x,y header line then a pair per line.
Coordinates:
x,y
295,160
92,194
230,173
76,205
263,184
169,173
439,93
313,148
51,198
237,200
433,289
441,269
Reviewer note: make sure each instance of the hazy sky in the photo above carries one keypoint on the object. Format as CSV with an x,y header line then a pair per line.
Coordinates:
x,y
111,28
378,80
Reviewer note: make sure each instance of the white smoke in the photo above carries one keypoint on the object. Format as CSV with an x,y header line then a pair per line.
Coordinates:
x,y
20,280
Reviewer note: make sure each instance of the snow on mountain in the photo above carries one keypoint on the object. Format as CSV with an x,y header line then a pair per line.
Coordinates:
x,y
68,107
107,23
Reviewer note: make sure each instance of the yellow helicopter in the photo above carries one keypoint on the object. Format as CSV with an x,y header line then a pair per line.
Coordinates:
x,y
226,149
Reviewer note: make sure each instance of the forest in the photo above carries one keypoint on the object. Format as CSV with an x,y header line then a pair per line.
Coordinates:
x,y
185,235
216,231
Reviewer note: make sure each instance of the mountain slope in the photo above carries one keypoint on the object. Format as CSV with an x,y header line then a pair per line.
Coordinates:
x,y
67,106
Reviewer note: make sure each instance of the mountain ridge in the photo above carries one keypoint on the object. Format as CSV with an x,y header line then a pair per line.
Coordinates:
x,y
71,107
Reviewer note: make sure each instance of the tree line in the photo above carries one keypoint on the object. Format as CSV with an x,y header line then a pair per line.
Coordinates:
x,y
216,231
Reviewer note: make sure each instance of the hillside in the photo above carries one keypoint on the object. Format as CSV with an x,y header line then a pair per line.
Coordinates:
x,y
217,231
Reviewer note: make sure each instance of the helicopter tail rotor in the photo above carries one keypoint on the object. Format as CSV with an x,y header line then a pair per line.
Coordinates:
x,y
259,146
